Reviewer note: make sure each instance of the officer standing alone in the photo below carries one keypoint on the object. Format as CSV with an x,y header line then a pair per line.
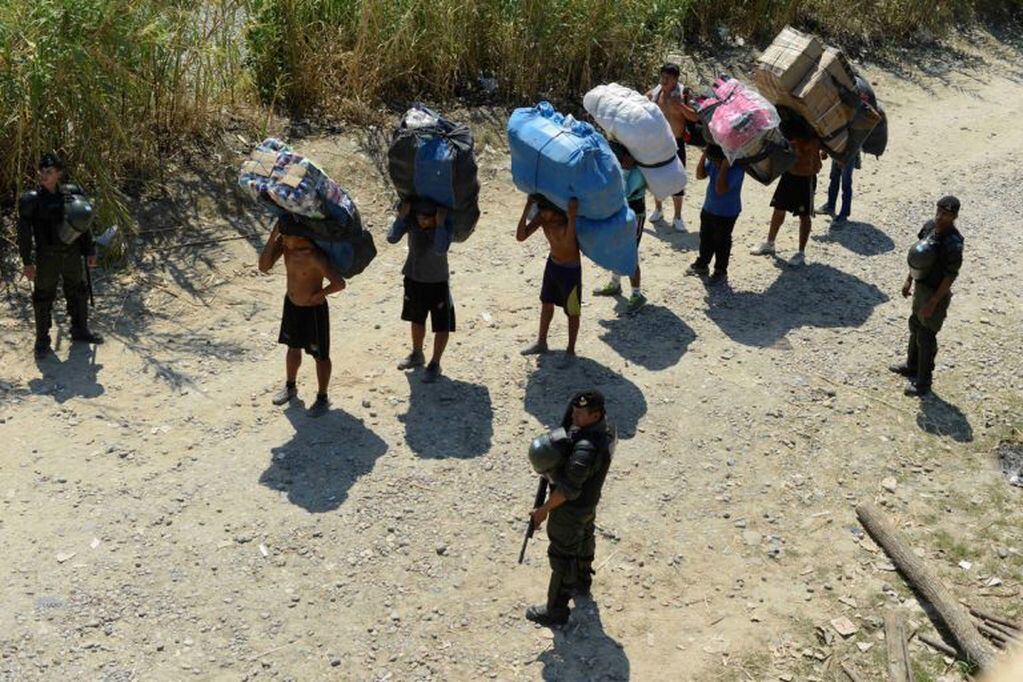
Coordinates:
x,y
576,459
53,237
934,264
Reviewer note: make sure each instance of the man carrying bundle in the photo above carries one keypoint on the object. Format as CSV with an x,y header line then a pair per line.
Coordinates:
x,y
669,96
563,275
635,195
305,321
427,289
51,251
575,459
721,210
795,190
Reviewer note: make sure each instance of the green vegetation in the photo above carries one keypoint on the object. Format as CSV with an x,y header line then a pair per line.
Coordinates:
x,y
116,85
111,84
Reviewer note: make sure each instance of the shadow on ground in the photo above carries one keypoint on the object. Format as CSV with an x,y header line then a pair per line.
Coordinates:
x,y
680,241
654,337
323,460
861,238
583,651
74,377
814,295
551,386
939,417
450,418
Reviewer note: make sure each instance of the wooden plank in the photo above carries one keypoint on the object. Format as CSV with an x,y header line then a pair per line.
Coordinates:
x,y
916,573
898,649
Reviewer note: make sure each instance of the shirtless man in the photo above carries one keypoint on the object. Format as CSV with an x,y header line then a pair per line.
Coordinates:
x,y
795,191
305,323
563,276
669,97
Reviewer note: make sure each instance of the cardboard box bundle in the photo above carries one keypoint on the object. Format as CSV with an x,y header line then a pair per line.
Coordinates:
x,y
799,72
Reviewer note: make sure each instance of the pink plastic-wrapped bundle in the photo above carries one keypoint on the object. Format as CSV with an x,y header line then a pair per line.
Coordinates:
x,y
738,118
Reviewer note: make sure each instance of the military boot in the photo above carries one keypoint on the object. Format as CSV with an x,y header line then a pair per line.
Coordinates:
x,y
547,615
42,318
79,323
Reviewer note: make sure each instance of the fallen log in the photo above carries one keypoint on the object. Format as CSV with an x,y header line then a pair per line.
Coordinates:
x,y
916,573
938,645
898,650
994,619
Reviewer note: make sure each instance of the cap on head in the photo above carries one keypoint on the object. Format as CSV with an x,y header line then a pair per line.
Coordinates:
x,y
671,69
949,203
50,160
592,400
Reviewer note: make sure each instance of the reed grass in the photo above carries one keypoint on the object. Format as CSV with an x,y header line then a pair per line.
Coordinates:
x,y
112,85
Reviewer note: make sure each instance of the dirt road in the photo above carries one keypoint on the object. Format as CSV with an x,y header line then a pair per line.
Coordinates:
x,y
160,520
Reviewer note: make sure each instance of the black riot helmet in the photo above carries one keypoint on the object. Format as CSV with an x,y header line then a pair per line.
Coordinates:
x,y
922,257
78,212
548,451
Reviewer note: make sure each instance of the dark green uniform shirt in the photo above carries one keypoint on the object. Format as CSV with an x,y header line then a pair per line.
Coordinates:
x,y
40,216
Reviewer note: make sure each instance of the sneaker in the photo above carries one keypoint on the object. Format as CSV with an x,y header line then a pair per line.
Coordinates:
x,y
548,618
636,301
85,336
826,209
719,277
678,225
535,349
656,216
798,259
610,289
285,395
697,269
320,407
915,390
432,373
840,220
414,359
765,249
902,369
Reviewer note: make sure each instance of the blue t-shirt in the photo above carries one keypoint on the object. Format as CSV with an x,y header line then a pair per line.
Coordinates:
x,y
729,204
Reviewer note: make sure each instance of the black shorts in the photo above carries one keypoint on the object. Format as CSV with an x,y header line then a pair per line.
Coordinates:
x,y
639,208
429,299
306,327
563,287
795,194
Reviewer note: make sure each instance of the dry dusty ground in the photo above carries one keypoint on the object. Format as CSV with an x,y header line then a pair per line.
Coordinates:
x,y
159,520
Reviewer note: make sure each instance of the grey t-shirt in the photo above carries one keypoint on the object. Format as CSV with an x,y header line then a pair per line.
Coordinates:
x,y
423,263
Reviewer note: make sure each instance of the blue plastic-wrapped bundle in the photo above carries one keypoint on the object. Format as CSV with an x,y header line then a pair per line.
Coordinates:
x,y
561,158
611,242
433,158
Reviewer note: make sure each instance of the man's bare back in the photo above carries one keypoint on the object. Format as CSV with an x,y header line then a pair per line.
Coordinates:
x,y
808,157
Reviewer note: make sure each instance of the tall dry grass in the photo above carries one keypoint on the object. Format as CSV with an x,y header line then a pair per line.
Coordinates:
x,y
112,84
312,54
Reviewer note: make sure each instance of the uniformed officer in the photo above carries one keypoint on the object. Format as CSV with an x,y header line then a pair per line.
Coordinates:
x,y
934,264
575,459
53,236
